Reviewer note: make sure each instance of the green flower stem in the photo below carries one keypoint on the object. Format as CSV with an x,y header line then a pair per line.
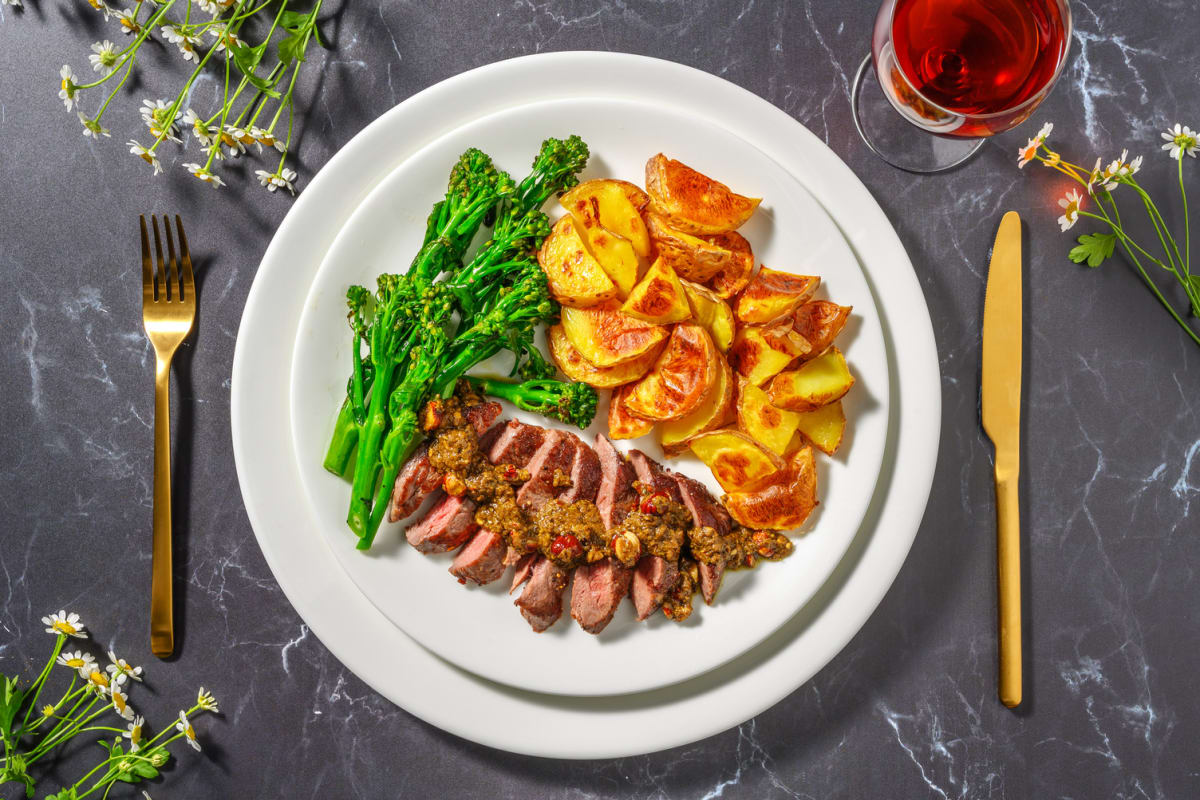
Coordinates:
x,y
52,740
41,679
1187,231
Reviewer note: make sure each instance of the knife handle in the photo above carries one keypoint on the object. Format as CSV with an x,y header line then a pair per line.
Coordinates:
x,y
1008,572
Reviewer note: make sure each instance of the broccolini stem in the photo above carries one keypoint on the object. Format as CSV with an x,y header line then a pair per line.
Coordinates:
x,y
345,439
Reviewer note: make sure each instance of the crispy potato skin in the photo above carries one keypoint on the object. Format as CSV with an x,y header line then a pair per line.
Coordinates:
x,y
658,297
783,500
606,337
578,368
824,428
714,412
623,423
820,321
617,205
772,295
731,280
737,461
712,312
817,382
762,351
764,423
575,277
691,257
693,202
681,378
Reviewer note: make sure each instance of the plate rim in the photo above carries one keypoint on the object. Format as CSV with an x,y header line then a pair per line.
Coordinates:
x,y
510,666
872,566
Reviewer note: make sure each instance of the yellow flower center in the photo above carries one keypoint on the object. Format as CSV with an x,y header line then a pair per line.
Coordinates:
x,y
48,711
147,157
119,702
62,626
99,679
129,25
135,734
189,732
96,4
74,663
227,139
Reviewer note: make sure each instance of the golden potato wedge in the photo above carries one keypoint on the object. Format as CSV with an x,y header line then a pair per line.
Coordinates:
x,y
606,337
623,423
772,295
658,297
771,427
761,351
782,500
712,414
682,377
576,278
712,312
693,202
578,368
617,205
731,280
690,256
817,382
824,427
820,321
737,461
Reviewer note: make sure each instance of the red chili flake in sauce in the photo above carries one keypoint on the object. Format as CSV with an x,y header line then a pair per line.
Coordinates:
x,y
654,504
565,542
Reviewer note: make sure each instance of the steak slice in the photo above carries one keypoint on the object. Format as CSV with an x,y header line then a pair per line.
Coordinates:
x,y
524,565
652,579
706,511
483,415
597,591
710,580
556,452
516,444
541,603
654,475
585,473
447,525
482,560
616,496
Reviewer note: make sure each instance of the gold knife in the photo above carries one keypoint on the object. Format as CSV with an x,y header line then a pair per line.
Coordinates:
x,y
1000,402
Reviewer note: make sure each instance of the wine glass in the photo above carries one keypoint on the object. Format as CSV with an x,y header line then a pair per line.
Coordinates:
x,y
961,70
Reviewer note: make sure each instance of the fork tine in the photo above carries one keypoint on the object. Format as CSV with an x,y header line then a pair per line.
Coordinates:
x,y
160,281
189,280
147,266
172,264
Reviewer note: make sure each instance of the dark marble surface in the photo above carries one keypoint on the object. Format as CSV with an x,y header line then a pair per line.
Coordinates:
x,y
907,710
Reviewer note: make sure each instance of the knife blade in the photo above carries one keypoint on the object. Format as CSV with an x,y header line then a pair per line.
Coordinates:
x,y
1000,406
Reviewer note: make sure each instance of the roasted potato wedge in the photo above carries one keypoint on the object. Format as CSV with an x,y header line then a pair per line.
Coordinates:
x,y
658,297
782,500
764,423
712,312
761,351
690,256
820,321
606,337
682,377
623,423
578,368
817,382
737,461
731,280
712,414
823,427
617,205
576,278
772,295
693,202
616,255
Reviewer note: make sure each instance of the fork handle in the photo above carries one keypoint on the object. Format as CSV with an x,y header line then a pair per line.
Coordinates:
x,y
162,623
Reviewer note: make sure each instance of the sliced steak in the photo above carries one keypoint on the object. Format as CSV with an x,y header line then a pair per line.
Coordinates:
x,y
447,525
541,603
706,511
654,475
616,496
482,560
556,452
516,444
483,415
597,591
652,578
524,564
584,472
710,580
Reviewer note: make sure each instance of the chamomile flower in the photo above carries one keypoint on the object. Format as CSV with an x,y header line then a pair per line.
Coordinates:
x,y
81,662
1094,176
91,127
101,6
48,710
203,132
1180,141
185,727
234,139
128,21
62,622
134,734
1027,153
120,703
157,116
226,40
1070,205
266,138
284,179
173,33
98,682
69,89
104,57
1044,132
120,669
216,7
204,174
205,700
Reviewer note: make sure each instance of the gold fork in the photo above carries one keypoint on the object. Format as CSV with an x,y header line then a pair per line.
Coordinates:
x,y
168,311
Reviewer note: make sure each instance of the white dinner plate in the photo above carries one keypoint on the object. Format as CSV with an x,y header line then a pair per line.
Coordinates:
x,y
478,628
391,662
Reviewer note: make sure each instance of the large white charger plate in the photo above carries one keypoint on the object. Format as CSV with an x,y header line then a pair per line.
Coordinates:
x,y
456,700
478,628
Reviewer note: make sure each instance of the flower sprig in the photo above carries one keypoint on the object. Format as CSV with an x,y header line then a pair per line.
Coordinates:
x,y
32,730
261,46
1100,182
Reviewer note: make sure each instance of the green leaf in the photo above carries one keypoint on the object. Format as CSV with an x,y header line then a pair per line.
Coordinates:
x,y
247,60
1093,248
144,769
11,699
293,20
291,48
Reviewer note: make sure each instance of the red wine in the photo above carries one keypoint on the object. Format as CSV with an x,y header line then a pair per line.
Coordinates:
x,y
977,57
